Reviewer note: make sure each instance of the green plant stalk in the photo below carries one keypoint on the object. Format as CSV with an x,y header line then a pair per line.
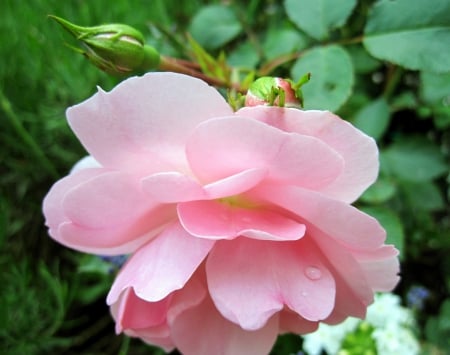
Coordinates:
x,y
125,345
393,78
26,138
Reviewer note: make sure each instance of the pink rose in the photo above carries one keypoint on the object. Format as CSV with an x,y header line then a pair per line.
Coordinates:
x,y
239,223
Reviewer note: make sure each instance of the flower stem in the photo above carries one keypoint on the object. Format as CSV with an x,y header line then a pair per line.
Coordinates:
x,y
26,138
393,78
186,67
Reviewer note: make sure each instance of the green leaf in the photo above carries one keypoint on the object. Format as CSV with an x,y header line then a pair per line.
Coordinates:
x,y
214,25
381,191
392,223
283,41
423,196
363,62
318,17
373,119
244,56
411,33
331,77
413,160
435,87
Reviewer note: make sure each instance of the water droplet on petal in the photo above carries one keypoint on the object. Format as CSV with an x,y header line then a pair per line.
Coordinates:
x,y
313,273
304,293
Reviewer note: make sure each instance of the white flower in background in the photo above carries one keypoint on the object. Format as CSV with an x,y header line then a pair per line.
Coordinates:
x,y
329,338
387,310
395,340
392,330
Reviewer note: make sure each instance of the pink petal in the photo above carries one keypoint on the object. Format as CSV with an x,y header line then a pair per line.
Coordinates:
x,y
235,184
88,162
291,322
226,146
172,187
136,313
381,267
337,219
358,150
52,204
162,266
144,121
353,292
221,220
149,320
251,280
110,213
218,335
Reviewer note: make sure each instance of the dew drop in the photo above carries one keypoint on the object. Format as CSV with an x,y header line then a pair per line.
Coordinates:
x,y
313,273
304,293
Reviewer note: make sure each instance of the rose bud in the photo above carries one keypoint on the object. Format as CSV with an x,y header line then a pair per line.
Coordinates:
x,y
272,91
117,49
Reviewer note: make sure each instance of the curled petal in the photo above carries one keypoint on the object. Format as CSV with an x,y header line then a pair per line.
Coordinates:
x,y
172,187
251,280
219,336
162,266
338,220
381,267
358,150
52,204
138,125
110,211
102,212
151,320
235,184
88,162
226,146
353,290
219,220
291,322
136,313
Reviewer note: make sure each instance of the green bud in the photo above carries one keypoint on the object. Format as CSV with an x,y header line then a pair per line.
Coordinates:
x,y
114,48
272,91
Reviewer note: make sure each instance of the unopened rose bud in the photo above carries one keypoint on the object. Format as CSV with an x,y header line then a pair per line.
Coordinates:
x,y
114,48
272,91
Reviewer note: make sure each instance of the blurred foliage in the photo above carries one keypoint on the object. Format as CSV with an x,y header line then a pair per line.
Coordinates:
x,y
382,65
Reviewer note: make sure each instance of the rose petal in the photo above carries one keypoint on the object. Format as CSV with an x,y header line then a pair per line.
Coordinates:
x,y
143,123
233,144
220,220
338,220
136,313
172,187
380,267
110,213
353,292
218,335
52,204
235,184
358,150
251,280
149,320
291,322
88,162
161,266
